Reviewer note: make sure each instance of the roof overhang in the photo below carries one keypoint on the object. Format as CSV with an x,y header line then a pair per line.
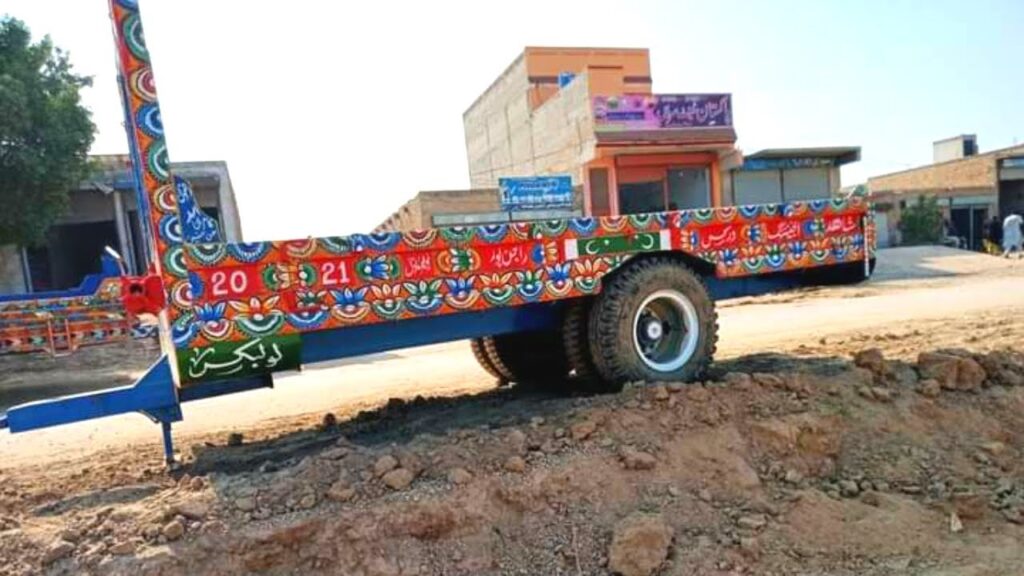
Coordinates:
x,y
775,158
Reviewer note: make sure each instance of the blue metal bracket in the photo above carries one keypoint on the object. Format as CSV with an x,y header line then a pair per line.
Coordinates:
x,y
154,394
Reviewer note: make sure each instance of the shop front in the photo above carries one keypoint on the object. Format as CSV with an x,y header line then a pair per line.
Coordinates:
x,y
658,153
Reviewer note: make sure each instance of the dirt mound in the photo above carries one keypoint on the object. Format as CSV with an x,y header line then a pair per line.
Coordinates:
x,y
802,465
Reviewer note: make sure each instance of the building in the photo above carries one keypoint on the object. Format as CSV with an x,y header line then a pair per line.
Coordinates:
x,y
590,114
434,208
971,187
103,212
787,174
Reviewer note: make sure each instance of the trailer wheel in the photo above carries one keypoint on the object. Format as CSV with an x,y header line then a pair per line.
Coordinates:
x,y
575,337
655,321
484,359
531,359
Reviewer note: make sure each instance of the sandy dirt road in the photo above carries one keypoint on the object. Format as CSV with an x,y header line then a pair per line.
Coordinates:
x,y
913,289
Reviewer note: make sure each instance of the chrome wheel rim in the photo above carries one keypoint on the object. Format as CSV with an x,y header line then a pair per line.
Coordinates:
x,y
666,330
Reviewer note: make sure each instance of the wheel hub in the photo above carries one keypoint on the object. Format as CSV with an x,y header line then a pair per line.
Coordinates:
x,y
654,330
666,330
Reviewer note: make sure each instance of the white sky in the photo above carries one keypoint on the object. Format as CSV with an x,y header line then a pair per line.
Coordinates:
x,y
331,114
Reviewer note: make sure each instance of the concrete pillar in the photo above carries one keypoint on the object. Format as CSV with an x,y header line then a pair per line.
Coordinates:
x,y
124,234
231,223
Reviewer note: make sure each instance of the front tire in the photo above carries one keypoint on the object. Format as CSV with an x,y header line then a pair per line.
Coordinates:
x,y
654,321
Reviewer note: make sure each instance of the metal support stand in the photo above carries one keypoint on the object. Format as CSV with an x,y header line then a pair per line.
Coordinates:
x,y
165,428
867,249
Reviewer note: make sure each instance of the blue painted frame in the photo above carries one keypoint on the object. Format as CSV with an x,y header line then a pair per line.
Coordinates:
x,y
88,286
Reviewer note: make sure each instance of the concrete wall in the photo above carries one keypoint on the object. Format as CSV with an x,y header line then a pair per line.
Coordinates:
x,y
968,173
94,201
952,148
629,70
563,134
557,138
12,276
488,124
524,125
971,173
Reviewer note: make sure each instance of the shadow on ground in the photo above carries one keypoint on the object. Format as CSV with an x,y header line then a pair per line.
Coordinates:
x,y
399,421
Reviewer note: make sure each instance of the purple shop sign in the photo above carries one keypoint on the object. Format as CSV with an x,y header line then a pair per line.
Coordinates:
x,y
662,111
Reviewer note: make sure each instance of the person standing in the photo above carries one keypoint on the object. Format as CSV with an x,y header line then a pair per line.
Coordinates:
x,y
994,235
1013,235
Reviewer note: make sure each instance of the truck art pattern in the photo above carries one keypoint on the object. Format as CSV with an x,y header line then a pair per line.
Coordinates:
x,y
241,308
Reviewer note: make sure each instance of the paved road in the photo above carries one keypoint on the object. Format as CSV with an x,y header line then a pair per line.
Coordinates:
x,y
910,285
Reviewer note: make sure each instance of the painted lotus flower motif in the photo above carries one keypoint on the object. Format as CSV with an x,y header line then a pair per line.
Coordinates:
x,y
461,294
211,312
379,268
497,288
559,281
350,305
797,250
728,257
775,256
257,317
388,302
531,283
558,273
424,296
311,300
257,309
587,273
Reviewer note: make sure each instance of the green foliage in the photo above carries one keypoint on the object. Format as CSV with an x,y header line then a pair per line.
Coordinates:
x,y
45,134
921,223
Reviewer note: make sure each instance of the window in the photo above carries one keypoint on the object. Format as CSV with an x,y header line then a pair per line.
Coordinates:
x,y
688,188
641,197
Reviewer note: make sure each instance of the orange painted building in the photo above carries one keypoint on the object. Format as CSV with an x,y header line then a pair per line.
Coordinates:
x,y
590,113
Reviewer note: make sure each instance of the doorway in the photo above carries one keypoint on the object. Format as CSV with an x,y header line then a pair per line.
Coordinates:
x,y
658,189
969,222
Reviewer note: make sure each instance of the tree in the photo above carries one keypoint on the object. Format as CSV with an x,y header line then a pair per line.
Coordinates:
x,y
921,223
45,134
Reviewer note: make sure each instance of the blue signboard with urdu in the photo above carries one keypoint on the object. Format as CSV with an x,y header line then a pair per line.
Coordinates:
x,y
535,193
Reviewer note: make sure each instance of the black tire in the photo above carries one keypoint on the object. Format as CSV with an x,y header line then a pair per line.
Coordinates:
x,y
576,339
639,295
530,359
484,359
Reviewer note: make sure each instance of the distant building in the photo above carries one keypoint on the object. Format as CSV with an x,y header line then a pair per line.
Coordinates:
x,y
971,187
590,114
788,174
103,212
433,208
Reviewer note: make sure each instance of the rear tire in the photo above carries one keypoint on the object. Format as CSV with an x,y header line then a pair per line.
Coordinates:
x,y
530,359
576,339
484,359
654,320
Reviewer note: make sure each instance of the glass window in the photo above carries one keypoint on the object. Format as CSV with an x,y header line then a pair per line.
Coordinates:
x,y
688,188
641,197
